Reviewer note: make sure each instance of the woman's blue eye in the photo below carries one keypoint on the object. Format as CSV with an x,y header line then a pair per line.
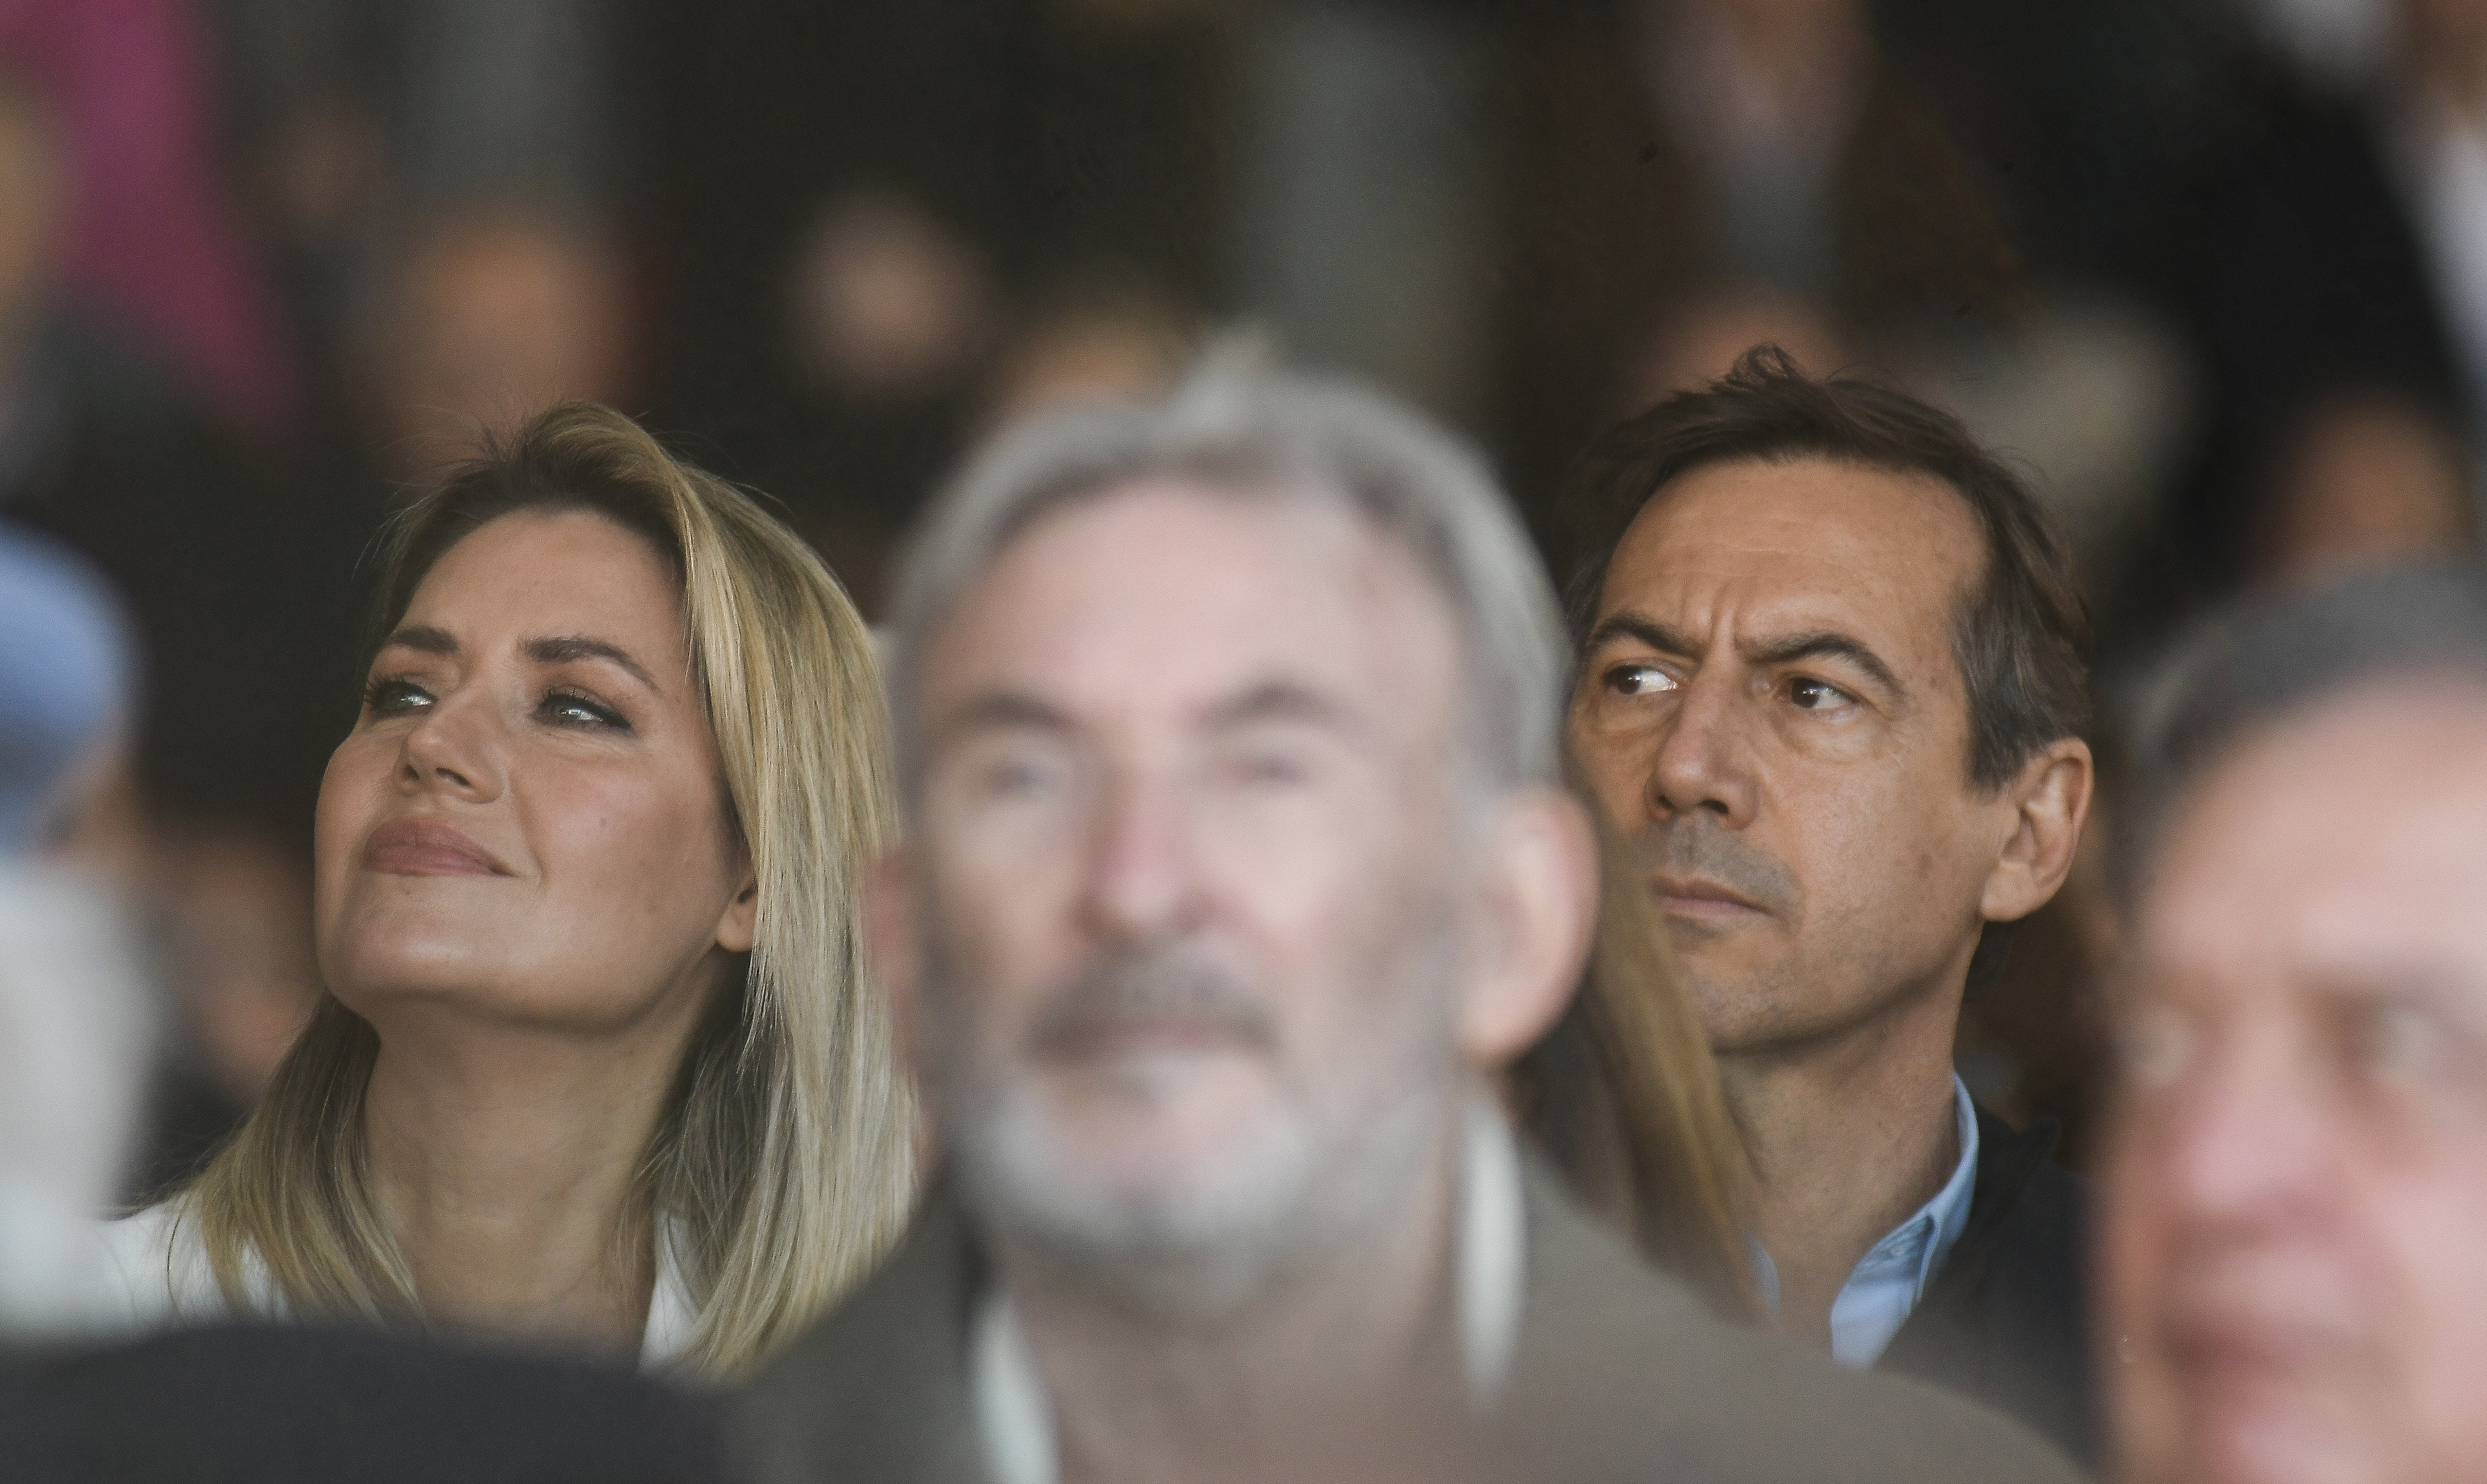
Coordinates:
x,y
387,697
569,708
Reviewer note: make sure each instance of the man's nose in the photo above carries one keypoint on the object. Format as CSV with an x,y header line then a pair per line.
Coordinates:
x,y
2244,1143
1704,761
1143,879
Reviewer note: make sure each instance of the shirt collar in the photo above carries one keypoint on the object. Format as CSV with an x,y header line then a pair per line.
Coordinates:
x,y
1015,1420
1888,1282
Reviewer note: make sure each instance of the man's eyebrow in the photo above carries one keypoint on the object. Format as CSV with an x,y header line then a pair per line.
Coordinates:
x,y
1826,644
994,710
423,639
562,648
1776,650
1637,627
1281,700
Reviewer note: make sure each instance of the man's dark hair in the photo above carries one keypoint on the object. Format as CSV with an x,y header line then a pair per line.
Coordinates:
x,y
2261,662
2021,632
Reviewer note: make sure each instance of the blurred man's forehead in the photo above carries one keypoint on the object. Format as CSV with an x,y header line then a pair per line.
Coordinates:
x,y
2336,846
1167,597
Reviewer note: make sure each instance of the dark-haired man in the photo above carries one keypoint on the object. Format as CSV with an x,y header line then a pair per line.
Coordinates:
x,y
1831,676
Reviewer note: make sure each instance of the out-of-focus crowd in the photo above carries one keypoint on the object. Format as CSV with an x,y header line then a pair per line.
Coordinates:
x,y
2209,275
266,265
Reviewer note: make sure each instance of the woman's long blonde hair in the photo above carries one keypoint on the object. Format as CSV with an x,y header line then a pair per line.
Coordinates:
x,y
1624,1096
783,1161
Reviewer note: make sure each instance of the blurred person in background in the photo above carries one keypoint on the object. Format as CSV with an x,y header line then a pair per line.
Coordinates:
x,y
597,1063
100,451
1832,681
484,317
152,243
1243,868
79,1009
1669,152
2330,269
2296,1169
1099,335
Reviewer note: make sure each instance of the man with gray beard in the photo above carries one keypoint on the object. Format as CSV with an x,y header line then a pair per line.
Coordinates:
x,y
1239,869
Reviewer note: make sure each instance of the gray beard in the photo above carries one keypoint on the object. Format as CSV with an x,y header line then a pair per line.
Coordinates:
x,y
1316,1172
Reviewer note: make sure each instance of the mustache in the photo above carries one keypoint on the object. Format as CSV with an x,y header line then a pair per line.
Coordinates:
x,y
1162,986
1694,844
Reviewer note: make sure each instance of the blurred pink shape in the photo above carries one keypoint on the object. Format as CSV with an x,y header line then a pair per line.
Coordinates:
x,y
153,246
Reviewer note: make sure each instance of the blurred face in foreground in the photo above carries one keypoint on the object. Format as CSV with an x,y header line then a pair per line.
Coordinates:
x,y
527,822
2298,1182
1189,909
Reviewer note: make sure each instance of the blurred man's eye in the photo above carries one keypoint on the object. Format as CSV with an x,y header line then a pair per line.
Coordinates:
x,y
1271,767
2154,1046
1014,775
2390,1038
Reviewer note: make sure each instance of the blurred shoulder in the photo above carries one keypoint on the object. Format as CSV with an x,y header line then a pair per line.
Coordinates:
x,y
1622,1373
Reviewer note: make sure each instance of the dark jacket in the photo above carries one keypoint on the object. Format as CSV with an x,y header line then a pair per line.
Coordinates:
x,y
272,1404
2007,1318
1618,1374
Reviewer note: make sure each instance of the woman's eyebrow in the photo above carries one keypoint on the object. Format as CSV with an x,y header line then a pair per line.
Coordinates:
x,y
423,639
563,649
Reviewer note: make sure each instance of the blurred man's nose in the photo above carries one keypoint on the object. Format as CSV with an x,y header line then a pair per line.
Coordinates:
x,y
1142,877
1704,762
2244,1143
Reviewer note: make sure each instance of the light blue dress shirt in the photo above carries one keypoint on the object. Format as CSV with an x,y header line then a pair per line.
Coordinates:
x,y
1883,1288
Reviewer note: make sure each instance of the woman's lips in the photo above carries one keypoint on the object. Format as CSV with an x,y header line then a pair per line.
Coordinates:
x,y
423,847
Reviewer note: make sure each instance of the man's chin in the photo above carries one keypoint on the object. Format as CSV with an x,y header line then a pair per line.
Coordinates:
x,y
1092,1174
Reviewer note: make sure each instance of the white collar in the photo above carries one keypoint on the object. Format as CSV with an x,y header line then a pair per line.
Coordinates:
x,y
1014,1421
672,1320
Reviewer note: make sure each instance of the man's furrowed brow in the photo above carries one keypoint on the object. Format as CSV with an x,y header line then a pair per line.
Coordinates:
x,y
1282,701
1826,644
1640,629
423,639
564,648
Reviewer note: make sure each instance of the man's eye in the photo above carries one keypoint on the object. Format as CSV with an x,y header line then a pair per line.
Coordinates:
x,y
1271,768
1638,680
392,697
569,708
1018,778
1816,696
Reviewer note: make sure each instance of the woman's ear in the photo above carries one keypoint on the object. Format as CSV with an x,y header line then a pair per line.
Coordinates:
x,y
1537,901
737,928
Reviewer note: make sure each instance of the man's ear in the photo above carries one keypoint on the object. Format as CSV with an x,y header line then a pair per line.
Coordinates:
x,y
738,927
2050,801
1536,905
894,945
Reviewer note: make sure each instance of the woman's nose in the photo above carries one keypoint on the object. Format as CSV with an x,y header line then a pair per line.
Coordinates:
x,y
454,748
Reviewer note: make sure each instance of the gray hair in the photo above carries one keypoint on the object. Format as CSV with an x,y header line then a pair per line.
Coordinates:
x,y
1238,428
2261,662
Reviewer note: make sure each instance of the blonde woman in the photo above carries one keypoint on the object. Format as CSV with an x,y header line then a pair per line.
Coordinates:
x,y
597,1063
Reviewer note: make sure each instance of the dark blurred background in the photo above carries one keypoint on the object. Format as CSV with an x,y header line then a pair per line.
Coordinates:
x,y
2215,271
